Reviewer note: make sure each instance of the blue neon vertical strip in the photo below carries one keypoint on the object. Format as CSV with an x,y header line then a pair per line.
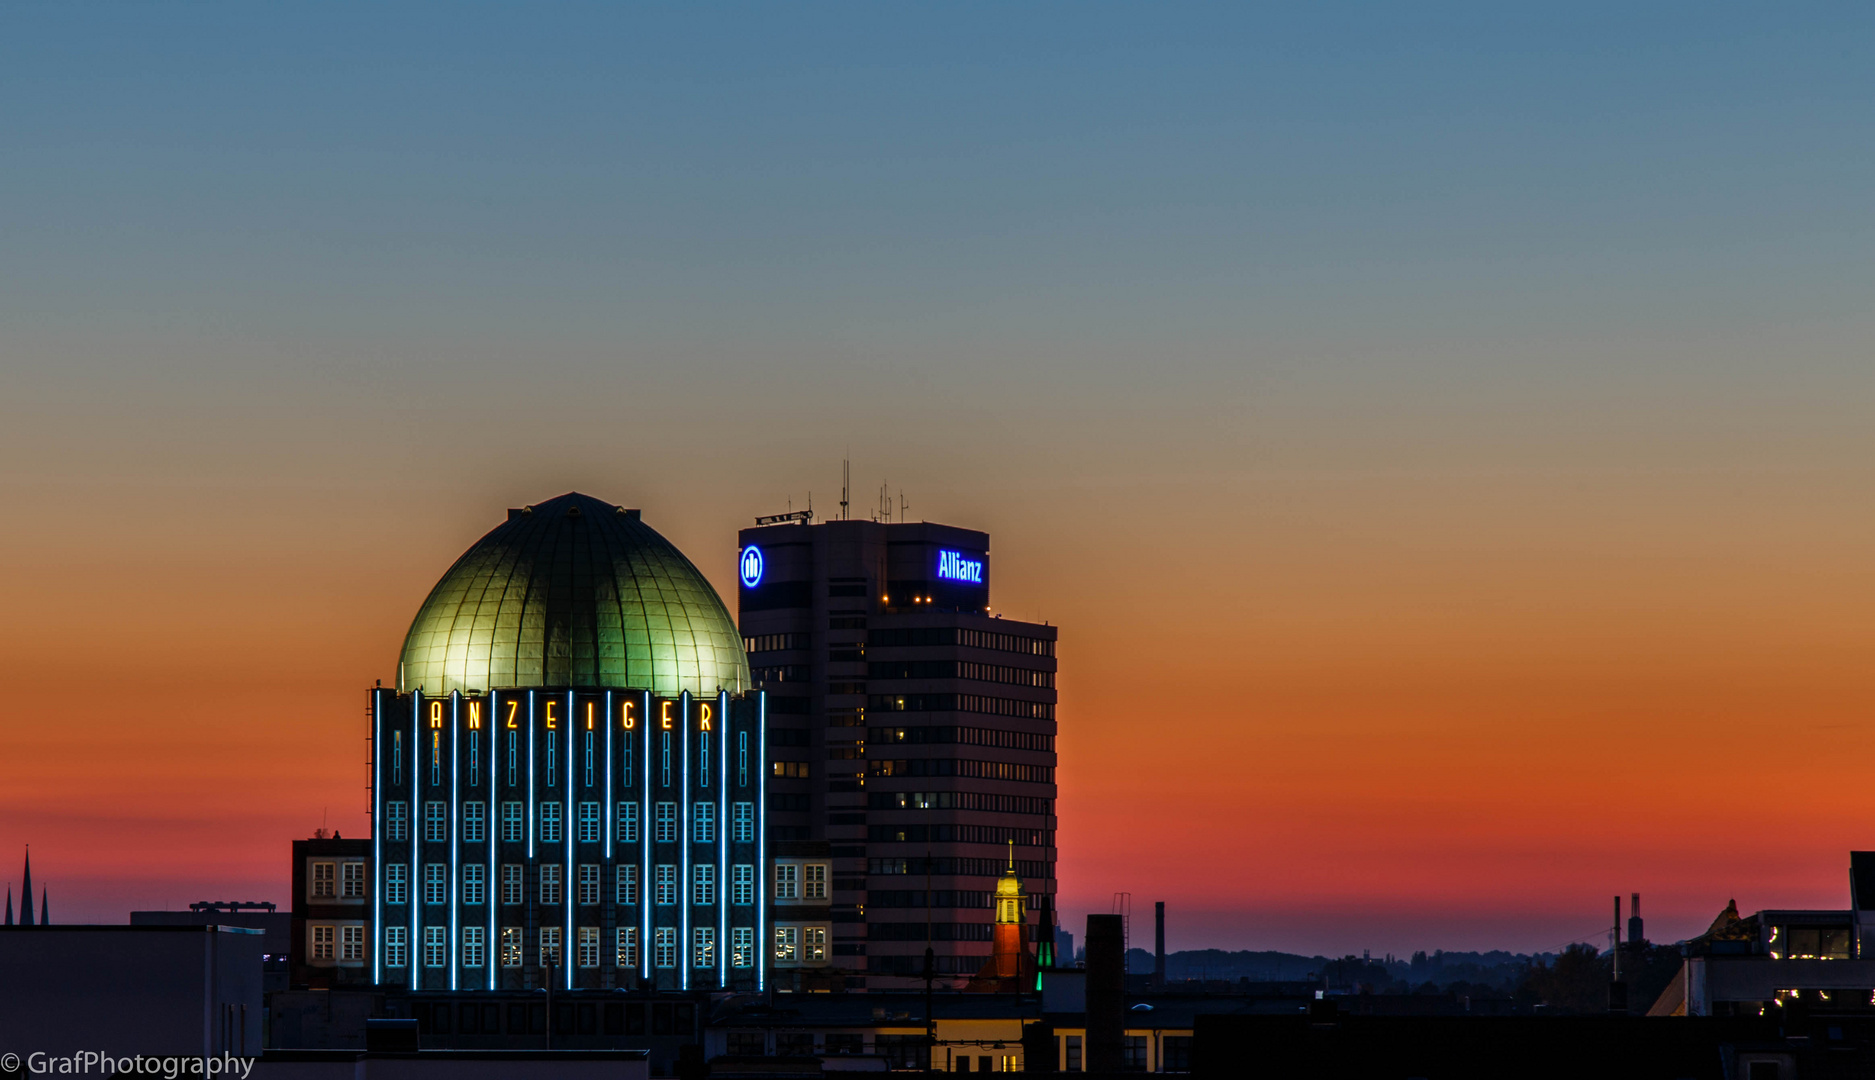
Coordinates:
x,y
455,837
567,954
377,836
527,816
684,827
644,859
605,812
494,774
722,839
411,955
761,843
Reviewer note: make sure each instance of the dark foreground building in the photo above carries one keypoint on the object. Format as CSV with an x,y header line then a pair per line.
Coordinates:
x,y
906,722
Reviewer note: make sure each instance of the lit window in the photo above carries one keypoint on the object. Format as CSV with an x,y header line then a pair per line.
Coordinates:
x,y
513,823
787,944
473,945
742,947
628,822
703,947
550,946
435,821
814,881
628,946
813,943
511,946
322,880
742,884
396,821
666,884
589,823
395,943
474,883
589,884
703,883
667,823
511,883
322,937
787,881
703,823
664,954
396,883
628,884
589,946
351,942
352,881
435,883
474,822
550,883
742,830
550,823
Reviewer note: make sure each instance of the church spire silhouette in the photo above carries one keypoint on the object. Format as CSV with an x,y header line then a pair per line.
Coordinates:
x,y
9,921
26,892
44,918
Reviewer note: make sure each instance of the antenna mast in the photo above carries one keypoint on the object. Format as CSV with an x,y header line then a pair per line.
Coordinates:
x,y
846,481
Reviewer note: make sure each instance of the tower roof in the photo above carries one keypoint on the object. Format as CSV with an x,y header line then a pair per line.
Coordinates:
x,y
573,592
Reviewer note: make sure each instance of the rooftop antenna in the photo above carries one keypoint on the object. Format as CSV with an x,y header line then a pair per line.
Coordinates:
x,y
902,505
846,480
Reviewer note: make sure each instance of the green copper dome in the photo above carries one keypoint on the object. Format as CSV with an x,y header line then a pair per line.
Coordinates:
x,y
573,592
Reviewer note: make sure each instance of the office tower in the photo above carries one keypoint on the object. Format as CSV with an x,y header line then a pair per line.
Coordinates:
x,y
911,742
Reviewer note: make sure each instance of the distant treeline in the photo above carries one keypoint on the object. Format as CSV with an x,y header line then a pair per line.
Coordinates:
x,y
1496,969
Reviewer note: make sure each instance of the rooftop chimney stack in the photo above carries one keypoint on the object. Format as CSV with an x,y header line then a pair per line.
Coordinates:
x,y
1636,936
1158,946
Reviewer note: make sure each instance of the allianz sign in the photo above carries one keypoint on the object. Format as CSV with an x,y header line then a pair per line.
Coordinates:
x,y
954,566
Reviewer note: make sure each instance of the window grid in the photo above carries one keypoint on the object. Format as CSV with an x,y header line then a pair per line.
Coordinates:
x,y
550,946
589,946
322,943
664,953
352,881
435,883
589,824
549,822
511,946
628,946
396,821
395,943
666,883
589,885
435,821
397,883
474,822
666,823
742,884
703,883
513,823
511,890
435,946
351,943
628,822
628,883
742,827
472,946
703,947
550,883
742,947
474,883
703,823
324,880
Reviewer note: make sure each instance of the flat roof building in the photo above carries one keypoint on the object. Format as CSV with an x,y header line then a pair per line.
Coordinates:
x,y
911,732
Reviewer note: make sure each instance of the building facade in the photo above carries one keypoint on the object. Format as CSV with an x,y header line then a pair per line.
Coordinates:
x,y
568,780
911,739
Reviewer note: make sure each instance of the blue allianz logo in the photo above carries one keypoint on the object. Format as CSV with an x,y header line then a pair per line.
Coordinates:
x,y
953,566
751,566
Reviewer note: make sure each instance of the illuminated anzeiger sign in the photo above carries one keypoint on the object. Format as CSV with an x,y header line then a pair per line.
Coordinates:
x,y
751,566
954,567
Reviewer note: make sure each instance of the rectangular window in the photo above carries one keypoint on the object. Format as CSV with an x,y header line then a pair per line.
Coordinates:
x,y
472,946
397,883
628,946
743,829
550,823
813,943
665,953
742,947
322,942
352,881
589,885
664,743
323,880
550,946
589,823
436,821
589,946
742,758
1134,1059
742,883
628,883
589,775
511,946
435,883
814,881
703,947
474,883
703,823
474,822
1072,1052
667,823
666,884
628,822
513,823
511,883
549,883
787,881
787,944
703,883
395,942
396,821
351,943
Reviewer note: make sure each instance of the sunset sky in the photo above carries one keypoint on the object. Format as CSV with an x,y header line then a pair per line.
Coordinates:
x,y
1444,434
